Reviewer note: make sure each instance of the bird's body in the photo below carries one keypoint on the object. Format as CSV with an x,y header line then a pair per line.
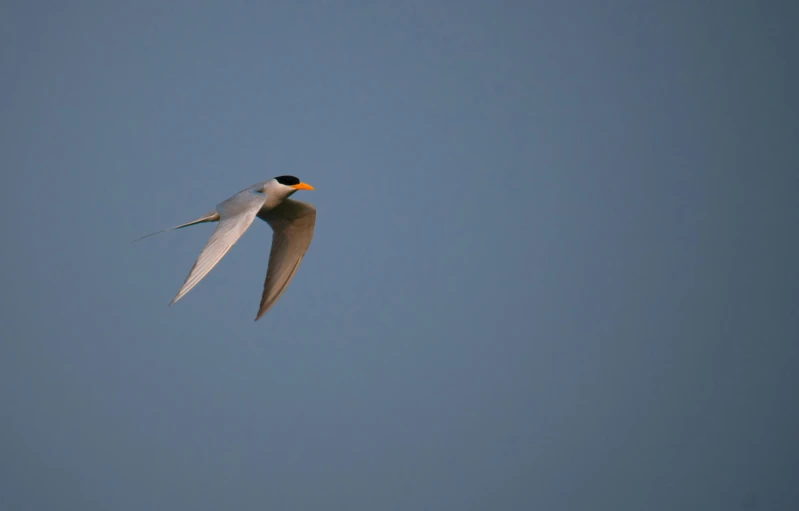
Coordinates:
x,y
292,224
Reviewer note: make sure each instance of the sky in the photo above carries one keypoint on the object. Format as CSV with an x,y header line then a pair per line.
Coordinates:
x,y
554,265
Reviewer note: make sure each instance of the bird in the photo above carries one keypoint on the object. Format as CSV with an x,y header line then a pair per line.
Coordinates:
x,y
292,224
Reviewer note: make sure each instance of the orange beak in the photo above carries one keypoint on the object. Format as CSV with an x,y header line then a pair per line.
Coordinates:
x,y
302,186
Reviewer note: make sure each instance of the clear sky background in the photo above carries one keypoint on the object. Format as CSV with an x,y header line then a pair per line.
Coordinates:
x,y
555,262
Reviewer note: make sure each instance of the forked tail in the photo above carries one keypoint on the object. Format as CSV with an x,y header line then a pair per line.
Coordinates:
x,y
210,217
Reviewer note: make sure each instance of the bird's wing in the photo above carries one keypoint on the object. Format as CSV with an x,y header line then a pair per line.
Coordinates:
x,y
292,222
236,214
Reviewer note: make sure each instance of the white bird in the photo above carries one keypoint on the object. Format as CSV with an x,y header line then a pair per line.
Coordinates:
x,y
292,224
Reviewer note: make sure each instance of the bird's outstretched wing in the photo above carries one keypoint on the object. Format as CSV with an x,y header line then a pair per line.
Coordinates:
x,y
292,222
236,214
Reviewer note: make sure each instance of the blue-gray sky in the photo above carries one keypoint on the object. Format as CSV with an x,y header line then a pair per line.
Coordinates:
x,y
554,263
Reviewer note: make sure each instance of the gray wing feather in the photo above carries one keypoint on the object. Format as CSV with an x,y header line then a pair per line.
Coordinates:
x,y
236,214
293,223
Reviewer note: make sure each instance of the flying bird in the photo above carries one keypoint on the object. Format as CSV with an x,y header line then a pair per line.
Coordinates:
x,y
292,223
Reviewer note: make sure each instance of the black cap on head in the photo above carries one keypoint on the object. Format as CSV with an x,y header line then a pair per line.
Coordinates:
x,y
287,180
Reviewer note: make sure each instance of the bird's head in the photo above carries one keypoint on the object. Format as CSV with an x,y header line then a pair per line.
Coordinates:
x,y
282,187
